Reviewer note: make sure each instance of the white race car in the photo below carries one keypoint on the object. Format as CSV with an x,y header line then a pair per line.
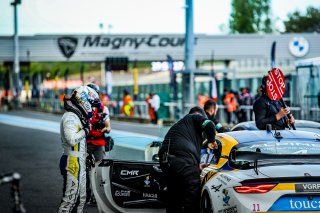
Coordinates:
x,y
261,171
256,171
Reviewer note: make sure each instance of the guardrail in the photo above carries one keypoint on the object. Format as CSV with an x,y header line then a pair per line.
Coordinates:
x,y
47,105
141,110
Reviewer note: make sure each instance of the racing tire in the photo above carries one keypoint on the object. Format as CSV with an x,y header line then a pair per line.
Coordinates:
x,y
205,204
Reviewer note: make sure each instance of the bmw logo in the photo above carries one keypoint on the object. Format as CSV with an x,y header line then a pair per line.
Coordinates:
x,y
299,46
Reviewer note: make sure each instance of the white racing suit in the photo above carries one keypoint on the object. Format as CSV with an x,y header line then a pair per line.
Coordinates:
x,y
73,163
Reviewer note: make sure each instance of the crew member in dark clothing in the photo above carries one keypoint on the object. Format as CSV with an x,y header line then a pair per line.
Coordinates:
x,y
180,160
211,109
271,112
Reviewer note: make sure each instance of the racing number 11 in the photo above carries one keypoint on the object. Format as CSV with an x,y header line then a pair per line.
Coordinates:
x,y
256,207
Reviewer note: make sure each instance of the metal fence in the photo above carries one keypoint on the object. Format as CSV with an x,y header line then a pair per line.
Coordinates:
x,y
141,110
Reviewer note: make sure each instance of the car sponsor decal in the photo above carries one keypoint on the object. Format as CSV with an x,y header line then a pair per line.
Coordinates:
x,y
122,193
216,188
307,187
129,172
226,197
232,209
224,179
297,203
147,181
256,207
148,195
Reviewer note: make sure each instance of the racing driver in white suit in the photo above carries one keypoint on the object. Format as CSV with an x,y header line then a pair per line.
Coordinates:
x,y
74,127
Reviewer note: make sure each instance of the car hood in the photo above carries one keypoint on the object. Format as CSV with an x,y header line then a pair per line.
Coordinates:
x,y
279,171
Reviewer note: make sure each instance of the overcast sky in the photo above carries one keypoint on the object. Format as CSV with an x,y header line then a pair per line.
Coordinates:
x,y
128,16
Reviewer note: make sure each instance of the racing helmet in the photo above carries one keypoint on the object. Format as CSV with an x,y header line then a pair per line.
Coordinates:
x,y
94,86
84,98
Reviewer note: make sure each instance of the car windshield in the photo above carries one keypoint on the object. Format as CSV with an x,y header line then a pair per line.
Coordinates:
x,y
134,148
283,147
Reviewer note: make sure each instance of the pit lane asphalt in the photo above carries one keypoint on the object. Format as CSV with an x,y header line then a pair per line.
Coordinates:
x,y
35,155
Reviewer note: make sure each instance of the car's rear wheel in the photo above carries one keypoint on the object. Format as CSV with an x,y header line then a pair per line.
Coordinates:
x,y
205,204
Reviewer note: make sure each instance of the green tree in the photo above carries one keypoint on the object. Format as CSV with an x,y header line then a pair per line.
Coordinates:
x,y
50,68
261,11
297,22
250,16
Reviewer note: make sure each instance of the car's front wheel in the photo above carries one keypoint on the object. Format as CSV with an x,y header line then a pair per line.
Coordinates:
x,y
205,204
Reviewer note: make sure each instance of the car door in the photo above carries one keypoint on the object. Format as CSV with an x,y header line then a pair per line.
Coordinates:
x,y
134,183
137,184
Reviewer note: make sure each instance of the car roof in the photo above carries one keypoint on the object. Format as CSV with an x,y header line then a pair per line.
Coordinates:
x,y
307,124
251,125
246,136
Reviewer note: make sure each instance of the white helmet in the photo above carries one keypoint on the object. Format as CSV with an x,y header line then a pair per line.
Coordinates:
x,y
94,86
84,98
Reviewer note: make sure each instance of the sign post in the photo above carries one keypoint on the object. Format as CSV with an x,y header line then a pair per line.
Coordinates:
x,y
276,86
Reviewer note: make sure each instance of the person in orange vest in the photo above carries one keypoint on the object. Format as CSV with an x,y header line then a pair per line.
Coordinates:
x,y
202,99
151,111
230,102
61,100
5,94
128,106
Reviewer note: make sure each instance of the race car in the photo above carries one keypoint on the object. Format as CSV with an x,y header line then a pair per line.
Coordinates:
x,y
255,171
263,171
